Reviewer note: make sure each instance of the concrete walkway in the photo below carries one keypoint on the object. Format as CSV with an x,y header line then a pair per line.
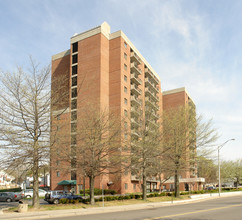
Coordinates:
x,y
74,212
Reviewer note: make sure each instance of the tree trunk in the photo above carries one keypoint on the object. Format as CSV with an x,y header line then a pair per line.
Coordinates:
x,y
160,184
91,180
176,183
144,196
35,202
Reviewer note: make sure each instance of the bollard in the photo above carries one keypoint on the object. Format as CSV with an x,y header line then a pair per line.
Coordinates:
x,y
22,207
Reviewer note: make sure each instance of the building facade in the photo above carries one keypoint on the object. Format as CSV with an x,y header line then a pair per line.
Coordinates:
x,y
106,70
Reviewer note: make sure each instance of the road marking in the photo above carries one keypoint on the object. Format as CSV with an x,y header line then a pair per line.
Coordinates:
x,y
189,213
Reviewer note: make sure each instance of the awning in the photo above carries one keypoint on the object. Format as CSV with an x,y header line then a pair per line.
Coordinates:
x,y
67,182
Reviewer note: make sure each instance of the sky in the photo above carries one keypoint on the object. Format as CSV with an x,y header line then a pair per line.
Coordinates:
x,y
190,43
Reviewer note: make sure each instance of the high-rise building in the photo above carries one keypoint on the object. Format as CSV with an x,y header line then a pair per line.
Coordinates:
x,y
173,99
107,70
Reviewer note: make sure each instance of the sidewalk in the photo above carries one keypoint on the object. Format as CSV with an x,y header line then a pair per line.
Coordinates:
x,y
74,212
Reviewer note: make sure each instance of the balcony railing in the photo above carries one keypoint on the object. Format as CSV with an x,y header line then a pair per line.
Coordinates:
x,y
135,123
135,100
135,133
135,111
150,113
135,89
150,74
135,79
134,68
152,123
149,92
134,57
151,103
149,83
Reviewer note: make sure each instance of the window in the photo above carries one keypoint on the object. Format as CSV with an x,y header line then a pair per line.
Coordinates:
x,y
73,139
73,175
74,70
125,78
58,173
125,56
57,162
74,81
75,47
125,66
73,116
126,185
125,101
73,163
125,124
125,89
125,113
125,44
58,117
125,136
134,186
74,58
74,93
73,104
73,127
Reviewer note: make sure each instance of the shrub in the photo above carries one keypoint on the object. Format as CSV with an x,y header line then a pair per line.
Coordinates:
x,y
162,194
138,196
64,201
99,191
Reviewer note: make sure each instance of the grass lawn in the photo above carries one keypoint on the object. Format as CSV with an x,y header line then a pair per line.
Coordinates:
x,y
100,204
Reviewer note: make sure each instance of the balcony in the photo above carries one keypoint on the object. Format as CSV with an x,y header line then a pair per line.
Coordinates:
x,y
135,112
134,57
135,79
149,83
151,103
150,93
135,69
151,114
152,123
135,133
135,101
135,123
135,89
148,73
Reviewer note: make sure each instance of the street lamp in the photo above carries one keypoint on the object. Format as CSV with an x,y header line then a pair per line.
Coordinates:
x,y
219,147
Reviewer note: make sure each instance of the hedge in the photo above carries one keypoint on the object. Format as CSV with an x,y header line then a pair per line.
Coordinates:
x,y
11,190
99,191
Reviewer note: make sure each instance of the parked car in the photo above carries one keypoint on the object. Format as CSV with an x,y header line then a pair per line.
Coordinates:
x,y
53,197
10,196
210,188
28,193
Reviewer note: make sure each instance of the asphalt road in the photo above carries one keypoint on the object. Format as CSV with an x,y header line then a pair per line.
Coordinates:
x,y
15,204
229,208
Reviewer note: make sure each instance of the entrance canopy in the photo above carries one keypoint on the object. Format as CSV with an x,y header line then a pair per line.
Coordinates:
x,y
67,182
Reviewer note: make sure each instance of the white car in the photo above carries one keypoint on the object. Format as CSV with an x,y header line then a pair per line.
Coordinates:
x,y
28,193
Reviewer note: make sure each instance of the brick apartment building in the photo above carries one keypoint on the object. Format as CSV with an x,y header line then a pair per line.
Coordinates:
x,y
107,70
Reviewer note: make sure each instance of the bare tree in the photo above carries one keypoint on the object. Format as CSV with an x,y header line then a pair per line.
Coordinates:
x,y
145,149
25,120
184,133
98,149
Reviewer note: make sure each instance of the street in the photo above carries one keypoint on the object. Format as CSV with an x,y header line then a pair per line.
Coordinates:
x,y
217,209
4,205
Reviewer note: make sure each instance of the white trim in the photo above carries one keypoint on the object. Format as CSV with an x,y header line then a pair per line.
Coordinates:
x,y
60,55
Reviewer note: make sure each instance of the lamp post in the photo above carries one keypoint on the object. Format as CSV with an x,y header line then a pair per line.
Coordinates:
x,y
219,182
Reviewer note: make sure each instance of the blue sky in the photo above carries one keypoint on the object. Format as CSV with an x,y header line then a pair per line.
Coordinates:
x,y
196,44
